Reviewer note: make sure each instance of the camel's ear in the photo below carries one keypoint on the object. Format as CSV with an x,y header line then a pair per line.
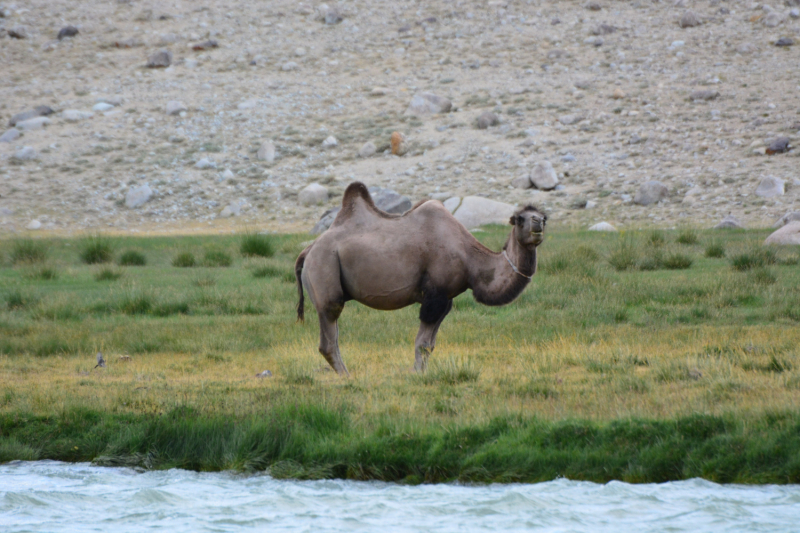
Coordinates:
x,y
513,220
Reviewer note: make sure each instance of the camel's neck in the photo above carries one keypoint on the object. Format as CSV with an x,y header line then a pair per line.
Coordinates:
x,y
492,278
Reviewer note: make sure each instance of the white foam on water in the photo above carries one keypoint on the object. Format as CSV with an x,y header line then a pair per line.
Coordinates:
x,y
52,496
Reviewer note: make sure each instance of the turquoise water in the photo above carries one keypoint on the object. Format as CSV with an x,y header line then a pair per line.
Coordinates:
x,y
54,497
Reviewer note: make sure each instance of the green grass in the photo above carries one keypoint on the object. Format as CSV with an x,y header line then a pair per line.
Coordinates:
x,y
28,251
96,249
256,245
217,258
132,258
184,260
642,374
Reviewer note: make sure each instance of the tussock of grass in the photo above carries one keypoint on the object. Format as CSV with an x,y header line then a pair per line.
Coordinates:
x,y
450,371
184,260
46,273
256,245
758,257
96,249
687,236
624,256
217,258
677,262
108,274
132,258
656,238
29,251
715,250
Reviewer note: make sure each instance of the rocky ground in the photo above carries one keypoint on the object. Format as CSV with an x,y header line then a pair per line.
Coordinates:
x,y
613,94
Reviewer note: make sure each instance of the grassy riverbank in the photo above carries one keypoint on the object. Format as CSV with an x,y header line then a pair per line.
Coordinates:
x,y
645,356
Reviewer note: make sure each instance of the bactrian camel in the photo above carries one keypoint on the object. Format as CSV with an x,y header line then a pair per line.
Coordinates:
x,y
424,256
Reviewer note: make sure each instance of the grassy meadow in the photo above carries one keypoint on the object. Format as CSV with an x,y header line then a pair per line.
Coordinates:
x,y
642,356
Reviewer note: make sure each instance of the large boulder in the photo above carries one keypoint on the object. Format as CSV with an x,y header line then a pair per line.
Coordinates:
x,y
790,216
10,136
770,187
313,194
729,222
428,104
476,211
138,196
651,192
789,234
385,199
543,176
33,124
602,226
38,111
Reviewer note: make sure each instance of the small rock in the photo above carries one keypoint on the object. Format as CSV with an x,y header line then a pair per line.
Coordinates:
x,y
593,6
332,16
790,216
102,107
784,41
138,196
704,95
568,158
160,59
602,226
34,225
131,42
779,146
603,29
330,142
399,144
25,153
428,103
266,152
689,20
367,150
729,222
745,48
264,374
247,104
772,19
289,65
568,120
451,204
300,51
227,174
594,41
38,111
787,235
67,31
618,94
389,200
794,13
590,204
18,32
233,209
379,91
651,192
522,182
206,45
75,115
205,163
33,124
174,107
543,176
313,194
770,187
476,211
10,136
487,119
111,100
583,84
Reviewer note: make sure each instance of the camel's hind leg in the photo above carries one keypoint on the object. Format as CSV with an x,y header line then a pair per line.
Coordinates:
x,y
329,337
431,315
322,282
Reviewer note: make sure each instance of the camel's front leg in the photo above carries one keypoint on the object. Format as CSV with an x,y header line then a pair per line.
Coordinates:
x,y
431,315
329,341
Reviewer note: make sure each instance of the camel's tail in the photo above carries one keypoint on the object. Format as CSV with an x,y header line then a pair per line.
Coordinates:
x,y
298,272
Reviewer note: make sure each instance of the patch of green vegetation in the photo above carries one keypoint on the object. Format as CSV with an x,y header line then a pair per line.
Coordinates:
x,y
96,249
184,260
758,257
687,236
108,274
28,251
256,245
217,258
132,258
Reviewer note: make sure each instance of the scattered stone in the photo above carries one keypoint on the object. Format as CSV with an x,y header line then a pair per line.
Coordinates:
x,y
568,158
651,192
618,94
770,187
593,41
794,13
227,174
300,51
779,146
487,119
138,196
729,222
590,204
593,6
704,95
476,211
264,374
160,59
399,144
689,20
131,42
102,107
332,16
568,120
10,136
25,153
67,31
111,100
772,19
234,209
330,142
34,225
38,111
313,194
367,150
790,216
602,226
379,91
784,41
583,84
204,164
745,48
543,176
266,152
206,45
451,204
522,182
18,32
428,103
289,66
75,115
33,124
787,235
174,107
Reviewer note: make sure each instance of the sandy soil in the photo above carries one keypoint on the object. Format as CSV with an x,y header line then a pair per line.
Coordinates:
x,y
609,111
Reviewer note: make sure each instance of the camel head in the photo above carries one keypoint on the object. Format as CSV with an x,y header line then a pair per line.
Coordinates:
x,y
529,223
